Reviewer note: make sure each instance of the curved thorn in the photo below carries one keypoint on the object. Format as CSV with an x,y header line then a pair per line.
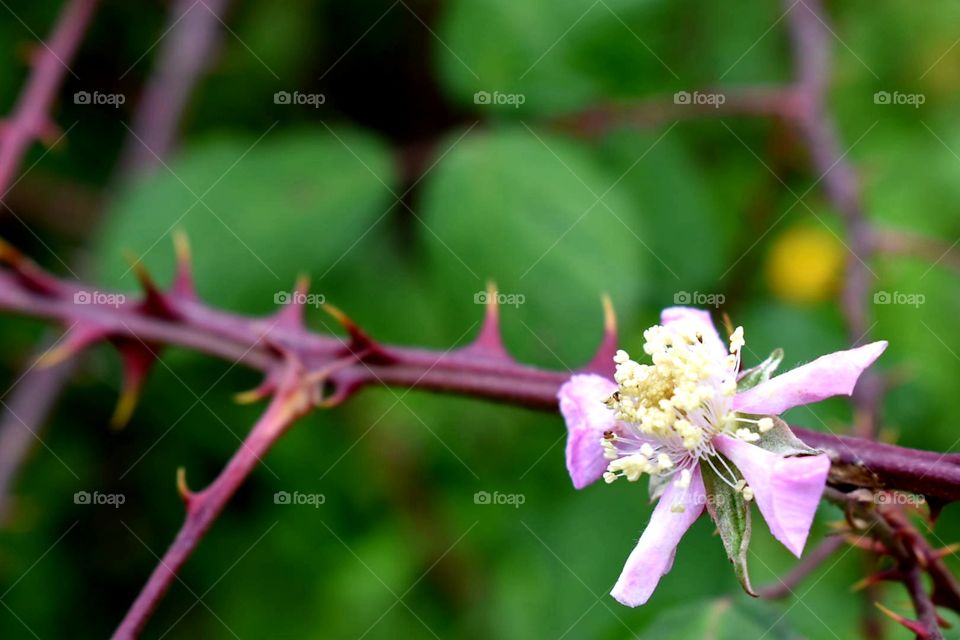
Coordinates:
x,y
126,404
138,359
182,488
360,341
261,391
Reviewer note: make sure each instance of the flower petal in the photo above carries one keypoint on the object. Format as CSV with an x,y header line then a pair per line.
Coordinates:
x,y
829,375
695,320
653,556
587,418
787,489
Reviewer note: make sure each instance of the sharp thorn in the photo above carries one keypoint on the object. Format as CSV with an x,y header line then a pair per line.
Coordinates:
x,y
291,314
183,284
949,550
880,576
137,359
360,341
489,342
29,273
912,625
76,340
156,302
602,362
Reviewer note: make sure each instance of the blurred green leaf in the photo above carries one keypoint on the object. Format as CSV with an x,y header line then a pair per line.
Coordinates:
x,y
538,215
259,211
689,243
721,619
558,55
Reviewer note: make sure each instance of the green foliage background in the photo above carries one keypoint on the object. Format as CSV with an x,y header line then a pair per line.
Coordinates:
x,y
267,191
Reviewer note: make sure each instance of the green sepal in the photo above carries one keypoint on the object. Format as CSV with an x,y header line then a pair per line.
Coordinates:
x,y
657,485
760,373
731,513
782,441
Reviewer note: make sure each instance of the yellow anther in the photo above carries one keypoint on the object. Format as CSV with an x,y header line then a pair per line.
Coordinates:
x,y
681,399
664,462
736,340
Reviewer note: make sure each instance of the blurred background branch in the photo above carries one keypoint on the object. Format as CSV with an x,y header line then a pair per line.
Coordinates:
x,y
185,54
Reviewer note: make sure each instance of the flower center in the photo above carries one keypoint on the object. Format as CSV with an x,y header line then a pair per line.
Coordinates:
x,y
670,411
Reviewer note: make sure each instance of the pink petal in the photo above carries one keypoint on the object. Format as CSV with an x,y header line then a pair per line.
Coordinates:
x,y
695,320
830,375
653,556
587,418
787,490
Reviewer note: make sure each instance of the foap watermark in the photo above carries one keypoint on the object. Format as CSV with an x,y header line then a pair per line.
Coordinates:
x,y
899,498
96,498
299,499
495,297
96,98
512,499
699,298
716,499
298,297
897,98
899,297
298,98
99,297
498,98
699,98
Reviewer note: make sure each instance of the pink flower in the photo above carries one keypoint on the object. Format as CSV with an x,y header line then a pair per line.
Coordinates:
x,y
668,419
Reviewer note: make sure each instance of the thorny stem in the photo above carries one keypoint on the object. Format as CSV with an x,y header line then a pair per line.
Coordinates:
x,y
258,343
29,120
27,407
290,402
895,536
184,54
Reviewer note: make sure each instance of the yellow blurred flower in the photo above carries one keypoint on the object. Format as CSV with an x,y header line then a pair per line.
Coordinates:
x,y
805,265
